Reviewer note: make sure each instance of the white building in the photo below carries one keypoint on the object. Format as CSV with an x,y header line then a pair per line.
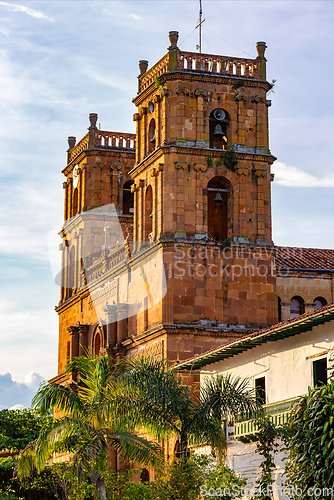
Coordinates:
x,y
281,362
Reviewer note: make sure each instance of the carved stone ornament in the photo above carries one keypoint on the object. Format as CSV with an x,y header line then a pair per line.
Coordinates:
x,y
136,117
201,92
260,98
154,172
180,165
201,166
261,172
242,170
240,95
182,90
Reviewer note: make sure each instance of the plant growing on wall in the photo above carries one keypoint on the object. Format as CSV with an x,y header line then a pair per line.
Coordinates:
x,y
230,159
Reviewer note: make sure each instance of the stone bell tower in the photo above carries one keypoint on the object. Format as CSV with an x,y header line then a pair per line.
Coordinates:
x,y
97,198
202,195
197,270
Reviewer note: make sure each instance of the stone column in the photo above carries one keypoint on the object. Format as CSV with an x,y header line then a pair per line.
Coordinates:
x,y
83,338
111,312
74,334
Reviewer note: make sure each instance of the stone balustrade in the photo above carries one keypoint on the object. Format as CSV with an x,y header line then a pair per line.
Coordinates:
x,y
115,139
103,139
203,63
220,65
153,74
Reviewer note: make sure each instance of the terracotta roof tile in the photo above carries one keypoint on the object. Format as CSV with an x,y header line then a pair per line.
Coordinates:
x,y
304,258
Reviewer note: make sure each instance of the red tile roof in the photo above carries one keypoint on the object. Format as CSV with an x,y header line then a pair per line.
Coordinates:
x,y
304,258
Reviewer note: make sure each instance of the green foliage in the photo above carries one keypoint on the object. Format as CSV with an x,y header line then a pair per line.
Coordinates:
x,y
19,427
37,487
230,159
267,445
310,441
209,161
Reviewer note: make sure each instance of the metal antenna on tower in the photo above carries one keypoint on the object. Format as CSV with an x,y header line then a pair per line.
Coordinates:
x,y
199,46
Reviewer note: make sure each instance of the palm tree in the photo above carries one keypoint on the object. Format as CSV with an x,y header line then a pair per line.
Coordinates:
x,y
167,407
92,424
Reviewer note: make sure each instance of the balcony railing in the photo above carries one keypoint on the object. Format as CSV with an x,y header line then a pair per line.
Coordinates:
x,y
277,412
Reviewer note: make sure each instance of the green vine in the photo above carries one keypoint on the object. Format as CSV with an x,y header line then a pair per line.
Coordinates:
x,y
267,445
209,161
230,158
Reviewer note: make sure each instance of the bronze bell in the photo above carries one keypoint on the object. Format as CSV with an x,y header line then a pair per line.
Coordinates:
x,y
218,131
218,198
151,215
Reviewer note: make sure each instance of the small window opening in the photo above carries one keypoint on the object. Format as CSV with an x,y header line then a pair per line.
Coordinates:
x,y
218,129
260,390
128,198
297,307
319,302
145,476
97,344
151,136
218,208
148,221
320,372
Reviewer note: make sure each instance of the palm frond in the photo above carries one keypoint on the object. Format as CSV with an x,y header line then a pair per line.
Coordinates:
x,y
51,395
136,448
223,396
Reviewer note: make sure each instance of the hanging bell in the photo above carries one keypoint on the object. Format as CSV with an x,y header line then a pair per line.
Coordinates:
x,y
151,215
218,131
218,198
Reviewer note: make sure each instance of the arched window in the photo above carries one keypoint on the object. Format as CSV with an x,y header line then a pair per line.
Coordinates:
x,y
97,343
75,202
319,302
219,209
151,136
128,198
219,128
148,213
71,272
297,307
145,476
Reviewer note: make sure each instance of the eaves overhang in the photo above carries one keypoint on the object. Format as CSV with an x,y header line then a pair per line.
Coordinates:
x,y
280,331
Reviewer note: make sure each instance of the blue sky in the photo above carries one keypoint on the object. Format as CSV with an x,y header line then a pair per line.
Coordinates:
x,y
61,60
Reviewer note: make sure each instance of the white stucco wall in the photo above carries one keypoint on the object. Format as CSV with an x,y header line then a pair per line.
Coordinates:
x,y
285,363
287,366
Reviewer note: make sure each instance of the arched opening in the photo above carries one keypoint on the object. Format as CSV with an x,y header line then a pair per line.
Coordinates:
x,y
279,307
151,136
297,307
75,202
148,213
128,198
319,302
97,343
145,476
219,210
218,128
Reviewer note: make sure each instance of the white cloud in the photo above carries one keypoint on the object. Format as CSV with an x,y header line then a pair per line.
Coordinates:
x,y
17,395
290,176
30,12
